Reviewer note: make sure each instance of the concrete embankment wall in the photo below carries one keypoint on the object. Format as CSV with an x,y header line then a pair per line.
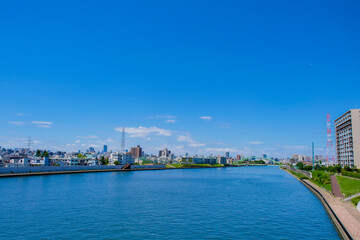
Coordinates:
x,y
338,224
19,170
147,166
5,170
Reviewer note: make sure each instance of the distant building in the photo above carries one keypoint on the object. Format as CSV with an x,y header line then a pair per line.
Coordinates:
x,y
91,149
347,131
122,158
19,162
105,149
227,154
164,153
221,160
239,157
136,152
264,156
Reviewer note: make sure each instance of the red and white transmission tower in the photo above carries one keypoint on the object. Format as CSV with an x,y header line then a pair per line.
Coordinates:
x,y
329,146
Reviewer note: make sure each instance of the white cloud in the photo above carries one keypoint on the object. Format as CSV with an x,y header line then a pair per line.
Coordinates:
x,y
207,118
41,123
256,142
17,123
44,126
196,144
109,140
77,141
185,139
143,132
19,114
170,121
191,142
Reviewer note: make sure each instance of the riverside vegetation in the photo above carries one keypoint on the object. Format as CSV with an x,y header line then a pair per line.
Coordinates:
x,y
349,180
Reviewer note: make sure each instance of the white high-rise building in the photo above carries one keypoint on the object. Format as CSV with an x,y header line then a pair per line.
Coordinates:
x,y
347,132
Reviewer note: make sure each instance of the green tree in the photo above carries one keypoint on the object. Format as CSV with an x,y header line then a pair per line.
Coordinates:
x,y
330,169
116,163
317,167
45,154
347,168
80,156
38,153
103,161
337,168
300,165
307,167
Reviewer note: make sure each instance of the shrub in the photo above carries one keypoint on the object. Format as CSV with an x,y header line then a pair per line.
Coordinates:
x,y
355,200
337,168
350,174
347,168
330,169
308,168
321,177
300,165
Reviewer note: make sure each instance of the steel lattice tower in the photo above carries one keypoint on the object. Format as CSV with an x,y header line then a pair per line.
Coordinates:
x,y
123,140
329,145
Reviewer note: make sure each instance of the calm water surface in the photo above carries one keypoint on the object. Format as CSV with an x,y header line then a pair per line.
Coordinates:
x,y
224,203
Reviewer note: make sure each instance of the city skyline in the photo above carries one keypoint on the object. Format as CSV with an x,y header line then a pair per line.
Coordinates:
x,y
232,77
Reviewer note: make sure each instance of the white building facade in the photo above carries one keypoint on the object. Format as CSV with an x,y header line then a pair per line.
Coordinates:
x,y
347,133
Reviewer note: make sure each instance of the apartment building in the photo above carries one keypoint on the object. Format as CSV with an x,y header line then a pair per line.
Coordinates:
x,y
347,133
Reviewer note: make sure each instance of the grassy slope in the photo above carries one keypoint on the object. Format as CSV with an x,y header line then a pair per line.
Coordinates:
x,y
355,200
348,186
321,179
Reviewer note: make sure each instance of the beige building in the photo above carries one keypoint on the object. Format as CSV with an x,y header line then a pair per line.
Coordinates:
x,y
347,133
136,152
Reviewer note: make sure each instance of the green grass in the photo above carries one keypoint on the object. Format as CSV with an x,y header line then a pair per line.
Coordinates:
x,y
189,165
299,175
355,200
321,179
327,186
348,186
217,165
177,165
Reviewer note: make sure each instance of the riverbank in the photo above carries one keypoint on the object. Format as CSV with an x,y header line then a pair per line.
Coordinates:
x,y
118,169
54,170
34,171
343,214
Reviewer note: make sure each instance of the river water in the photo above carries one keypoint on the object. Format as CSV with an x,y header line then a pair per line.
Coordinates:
x,y
220,203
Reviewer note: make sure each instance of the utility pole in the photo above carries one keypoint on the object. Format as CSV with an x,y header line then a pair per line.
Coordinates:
x,y
313,157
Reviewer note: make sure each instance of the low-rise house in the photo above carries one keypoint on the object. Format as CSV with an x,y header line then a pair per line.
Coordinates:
x,y
18,162
40,161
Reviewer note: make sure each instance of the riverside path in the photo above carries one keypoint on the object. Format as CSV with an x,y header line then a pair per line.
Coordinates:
x,y
335,187
345,211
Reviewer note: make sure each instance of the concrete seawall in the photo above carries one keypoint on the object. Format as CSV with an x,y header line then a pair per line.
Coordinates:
x,y
51,170
341,227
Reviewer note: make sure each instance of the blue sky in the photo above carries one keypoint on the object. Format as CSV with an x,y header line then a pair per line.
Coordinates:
x,y
202,77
